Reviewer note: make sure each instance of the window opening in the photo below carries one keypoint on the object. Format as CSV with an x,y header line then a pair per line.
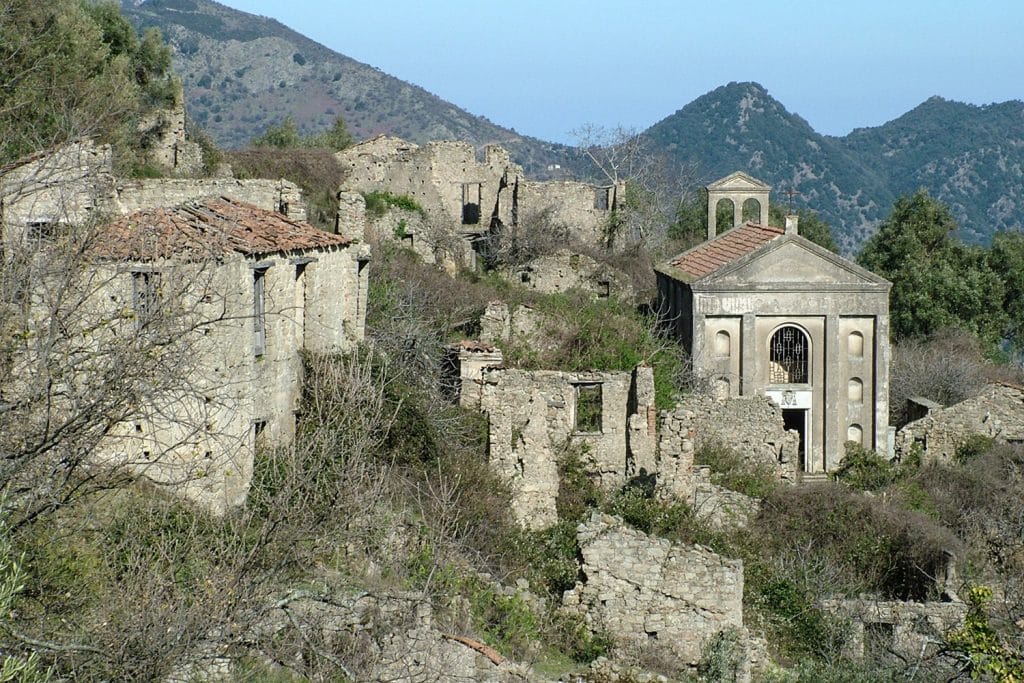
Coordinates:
x,y
471,198
145,296
788,357
588,408
601,198
259,317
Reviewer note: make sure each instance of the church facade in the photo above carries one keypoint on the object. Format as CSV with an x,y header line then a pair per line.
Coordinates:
x,y
764,311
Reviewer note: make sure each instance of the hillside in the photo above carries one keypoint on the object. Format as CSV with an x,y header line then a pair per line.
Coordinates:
x,y
970,157
243,72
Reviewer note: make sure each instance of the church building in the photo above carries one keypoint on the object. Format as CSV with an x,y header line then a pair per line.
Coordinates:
x,y
764,311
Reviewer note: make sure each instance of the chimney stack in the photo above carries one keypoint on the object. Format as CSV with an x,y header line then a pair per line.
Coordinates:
x,y
791,221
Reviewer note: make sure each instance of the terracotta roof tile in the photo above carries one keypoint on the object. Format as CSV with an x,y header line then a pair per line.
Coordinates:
x,y
725,249
208,228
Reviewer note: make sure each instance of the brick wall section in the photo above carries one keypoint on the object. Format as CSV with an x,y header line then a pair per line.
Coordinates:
x,y
647,592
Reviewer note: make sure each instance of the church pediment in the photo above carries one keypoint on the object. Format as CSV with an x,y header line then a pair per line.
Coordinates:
x,y
793,260
738,182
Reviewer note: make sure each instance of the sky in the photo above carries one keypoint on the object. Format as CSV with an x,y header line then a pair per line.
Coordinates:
x,y
546,68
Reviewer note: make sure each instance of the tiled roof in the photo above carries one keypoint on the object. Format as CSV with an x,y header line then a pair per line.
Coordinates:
x,y
208,228
726,248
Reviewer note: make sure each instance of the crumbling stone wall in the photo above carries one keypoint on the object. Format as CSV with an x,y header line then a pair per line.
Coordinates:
x,y
443,177
62,187
565,270
751,426
997,412
910,629
647,592
164,131
719,507
466,194
583,208
534,414
462,375
281,195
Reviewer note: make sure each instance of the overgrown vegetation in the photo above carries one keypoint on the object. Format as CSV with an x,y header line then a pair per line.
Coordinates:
x,y
78,69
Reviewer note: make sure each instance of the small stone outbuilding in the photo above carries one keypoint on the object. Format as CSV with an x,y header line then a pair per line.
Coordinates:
x,y
997,412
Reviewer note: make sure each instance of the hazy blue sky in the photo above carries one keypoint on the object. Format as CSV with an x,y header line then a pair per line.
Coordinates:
x,y
546,67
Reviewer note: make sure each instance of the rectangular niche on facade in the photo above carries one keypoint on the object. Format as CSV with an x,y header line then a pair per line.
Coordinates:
x,y
588,408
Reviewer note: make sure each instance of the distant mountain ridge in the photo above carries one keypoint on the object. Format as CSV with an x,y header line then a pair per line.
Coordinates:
x,y
971,157
244,72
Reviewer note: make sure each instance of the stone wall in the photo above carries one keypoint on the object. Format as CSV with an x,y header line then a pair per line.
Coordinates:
x,y
166,146
583,208
565,270
462,375
751,426
719,507
533,415
910,629
61,187
648,593
282,195
997,412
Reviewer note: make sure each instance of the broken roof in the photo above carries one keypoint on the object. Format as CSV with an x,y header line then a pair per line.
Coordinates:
x,y
730,246
208,228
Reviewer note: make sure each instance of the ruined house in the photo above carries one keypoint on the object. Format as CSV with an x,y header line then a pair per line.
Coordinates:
x,y
997,412
534,415
468,195
228,295
762,310
652,596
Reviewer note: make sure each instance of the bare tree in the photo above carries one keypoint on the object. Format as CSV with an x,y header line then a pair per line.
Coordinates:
x,y
654,187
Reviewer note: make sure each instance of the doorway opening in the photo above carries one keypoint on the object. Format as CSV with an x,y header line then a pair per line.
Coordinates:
x,y
796,419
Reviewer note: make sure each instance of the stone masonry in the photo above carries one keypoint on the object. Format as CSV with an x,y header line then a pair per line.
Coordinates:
x,y
533,415
466,194
752,426
909,629
648,593
997,412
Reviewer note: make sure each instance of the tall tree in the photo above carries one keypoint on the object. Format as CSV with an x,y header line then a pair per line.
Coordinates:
x,y
937,280
1007,259
71,69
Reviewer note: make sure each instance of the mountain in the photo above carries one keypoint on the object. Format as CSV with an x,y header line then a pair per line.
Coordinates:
x,y
243,72
968,156
971,157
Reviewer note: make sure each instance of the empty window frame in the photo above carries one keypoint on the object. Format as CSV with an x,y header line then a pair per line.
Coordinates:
x,y
588,408
145,296
259,312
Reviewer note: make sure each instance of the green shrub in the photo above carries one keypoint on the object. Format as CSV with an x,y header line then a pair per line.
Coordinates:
x,y
865,469
973,446
378,203
734,471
